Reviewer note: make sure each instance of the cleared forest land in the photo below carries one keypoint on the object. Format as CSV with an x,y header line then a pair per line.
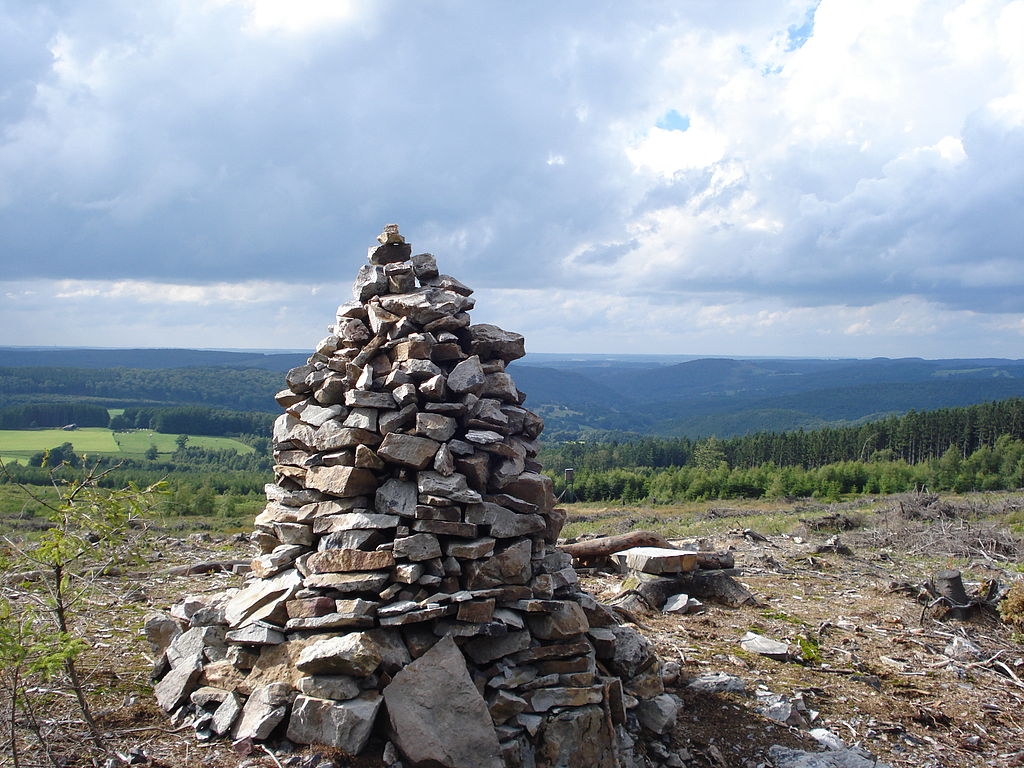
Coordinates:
x,y
874,662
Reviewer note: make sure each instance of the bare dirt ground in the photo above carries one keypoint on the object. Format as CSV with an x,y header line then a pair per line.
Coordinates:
x,y
893,674
880,669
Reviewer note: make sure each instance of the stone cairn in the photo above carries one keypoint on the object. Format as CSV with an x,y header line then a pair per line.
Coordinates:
x,y
409,585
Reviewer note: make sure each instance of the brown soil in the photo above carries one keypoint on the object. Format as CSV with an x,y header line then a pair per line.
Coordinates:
x,y
883,680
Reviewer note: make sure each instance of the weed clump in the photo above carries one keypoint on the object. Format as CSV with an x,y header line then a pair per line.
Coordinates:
x,y
1011,607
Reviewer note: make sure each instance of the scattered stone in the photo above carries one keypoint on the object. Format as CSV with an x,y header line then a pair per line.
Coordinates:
x,y
659,560
717,682
764,646
659,713
785,757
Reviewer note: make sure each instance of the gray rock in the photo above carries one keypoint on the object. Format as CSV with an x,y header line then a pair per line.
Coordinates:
x,y
577,738
346,725
459,734
784,757
173,690
342,481
435,426
346,560
535,488
264,711
566,622
226,714
433,388
504,523
404,394
373,581
632,652
160,630
316,415
360,398
545,699
659,713
773,649
355,653
470,550
501,386
370,281
408,450
277,559
338,687
424,265
490,342
362,418
467,376
508,566
397,497
197,645
453,487
352,330
660,560
255,634
419,546
352,521
717,682
444,461
425,305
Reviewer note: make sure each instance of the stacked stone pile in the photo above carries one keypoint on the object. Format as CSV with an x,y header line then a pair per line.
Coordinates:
x,y
408,583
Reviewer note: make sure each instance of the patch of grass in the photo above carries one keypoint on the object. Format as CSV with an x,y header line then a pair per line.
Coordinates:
x,y
25,442
20,444
810,652
783,616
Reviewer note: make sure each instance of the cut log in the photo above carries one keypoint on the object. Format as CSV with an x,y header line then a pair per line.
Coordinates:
x,y
208,566
714,561
718,587
594,551
597,551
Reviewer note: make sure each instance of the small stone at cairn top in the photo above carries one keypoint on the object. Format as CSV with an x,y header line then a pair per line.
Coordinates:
x,y
390,235
409,526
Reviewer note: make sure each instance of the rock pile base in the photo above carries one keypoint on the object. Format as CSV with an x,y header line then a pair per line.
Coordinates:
x,y
408,582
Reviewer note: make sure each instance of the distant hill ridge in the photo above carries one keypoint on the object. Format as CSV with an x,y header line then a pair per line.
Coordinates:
x,y
77,357
578,395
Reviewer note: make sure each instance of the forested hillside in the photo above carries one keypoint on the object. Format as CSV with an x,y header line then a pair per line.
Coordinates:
x,y
242,389
591,397
960,449
726,397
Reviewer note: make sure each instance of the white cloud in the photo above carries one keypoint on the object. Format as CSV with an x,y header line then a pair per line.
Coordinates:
x,y
289,16
870,157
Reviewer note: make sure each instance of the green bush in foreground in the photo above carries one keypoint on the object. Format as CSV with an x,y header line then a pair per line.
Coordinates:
x,y
49,580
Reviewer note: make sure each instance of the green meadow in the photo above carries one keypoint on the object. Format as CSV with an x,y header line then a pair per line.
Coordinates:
x,y
20,444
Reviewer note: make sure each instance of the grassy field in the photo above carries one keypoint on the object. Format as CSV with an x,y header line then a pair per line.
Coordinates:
x,y
20,444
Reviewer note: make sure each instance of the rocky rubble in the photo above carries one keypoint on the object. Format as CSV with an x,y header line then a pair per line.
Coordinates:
x,y
408,584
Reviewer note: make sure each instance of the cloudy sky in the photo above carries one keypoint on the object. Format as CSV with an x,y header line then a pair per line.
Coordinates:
x,y
758,177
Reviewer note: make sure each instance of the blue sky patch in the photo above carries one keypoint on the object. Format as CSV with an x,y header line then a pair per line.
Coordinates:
x,y
797,36
673,121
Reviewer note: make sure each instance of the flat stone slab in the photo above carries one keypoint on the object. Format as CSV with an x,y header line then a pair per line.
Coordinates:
x,y
459,734
660,560
765,646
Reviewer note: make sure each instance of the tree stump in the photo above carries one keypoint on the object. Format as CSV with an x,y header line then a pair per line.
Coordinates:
x,y
948,584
